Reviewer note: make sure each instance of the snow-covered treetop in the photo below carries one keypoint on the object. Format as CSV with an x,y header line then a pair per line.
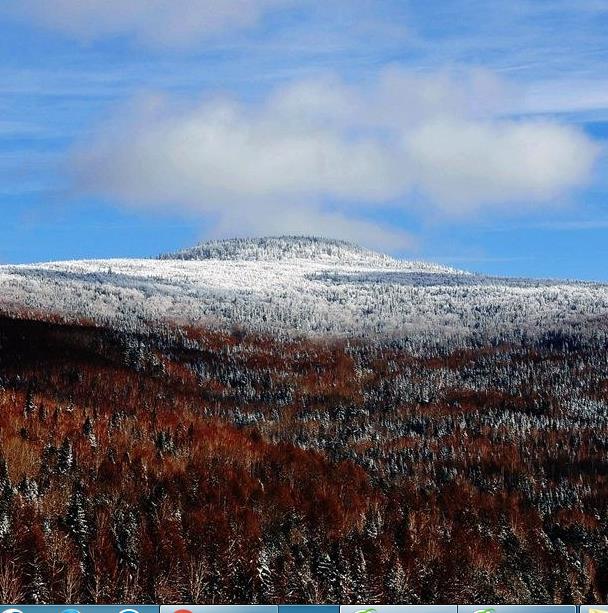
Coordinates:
x,y
278,248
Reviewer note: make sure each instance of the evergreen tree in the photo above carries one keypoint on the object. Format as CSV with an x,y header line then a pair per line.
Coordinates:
x,y
125,529
77,521
65,457
30,405
264,577
398,590
37,591
87,430
6,498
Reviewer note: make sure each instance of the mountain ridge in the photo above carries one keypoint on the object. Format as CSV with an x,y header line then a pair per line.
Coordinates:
x,y
296,247
269,247
304,286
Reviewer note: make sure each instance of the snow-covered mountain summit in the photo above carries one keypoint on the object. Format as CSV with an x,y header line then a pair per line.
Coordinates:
x,y
303,285
272,248
309,248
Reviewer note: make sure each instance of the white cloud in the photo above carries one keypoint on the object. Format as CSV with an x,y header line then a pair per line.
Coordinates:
x,y
175,23
326,151
564,95
219,151
463,164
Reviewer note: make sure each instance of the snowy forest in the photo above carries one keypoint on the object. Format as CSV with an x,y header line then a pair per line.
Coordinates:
x,y
306,286
204,466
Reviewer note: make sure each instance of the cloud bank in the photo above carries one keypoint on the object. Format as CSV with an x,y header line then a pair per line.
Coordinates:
x,y
321,155
173,23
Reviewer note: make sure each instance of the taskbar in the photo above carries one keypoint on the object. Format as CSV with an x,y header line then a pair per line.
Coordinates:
x,y
359,608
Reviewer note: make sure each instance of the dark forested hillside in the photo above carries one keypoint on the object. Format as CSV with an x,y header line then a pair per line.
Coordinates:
x,y
223,467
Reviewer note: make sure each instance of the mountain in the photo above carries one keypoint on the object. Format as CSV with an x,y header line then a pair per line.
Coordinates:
x,y
307,248
204,427
277,248
303,285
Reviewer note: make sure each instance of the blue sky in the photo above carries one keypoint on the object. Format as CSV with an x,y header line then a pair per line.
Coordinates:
x,y
466,132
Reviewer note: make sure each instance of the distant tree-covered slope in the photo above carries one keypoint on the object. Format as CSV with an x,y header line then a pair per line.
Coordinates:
x,y
294,286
